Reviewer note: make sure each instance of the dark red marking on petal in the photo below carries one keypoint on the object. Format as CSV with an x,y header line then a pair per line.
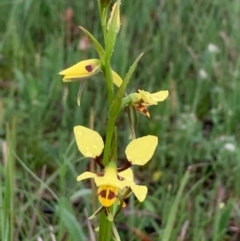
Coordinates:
x,y
143,109
103,193
111,195
100,174
89,68
120,178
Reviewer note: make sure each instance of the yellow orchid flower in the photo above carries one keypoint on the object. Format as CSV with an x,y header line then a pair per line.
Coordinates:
x,y
82,69
111,182
85,69
143,99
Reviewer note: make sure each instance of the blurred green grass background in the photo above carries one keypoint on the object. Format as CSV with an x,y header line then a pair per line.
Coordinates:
x,y
191,48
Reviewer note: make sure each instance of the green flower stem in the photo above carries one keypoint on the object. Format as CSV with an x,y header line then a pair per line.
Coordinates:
x,y
135,118
105,228
109,134
131,123
111,119
106,65
114,148
108,75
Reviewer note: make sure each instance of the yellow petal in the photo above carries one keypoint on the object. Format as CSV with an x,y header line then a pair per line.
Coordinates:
x,y
139,191
82,69
160,95
127,174
147,97
89,142
85,175
140,150
117,80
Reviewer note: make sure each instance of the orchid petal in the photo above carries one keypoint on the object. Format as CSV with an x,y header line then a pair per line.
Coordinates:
x,y
89,142
127,174
85,175
140,150
82,69
117,80
139,191
160,95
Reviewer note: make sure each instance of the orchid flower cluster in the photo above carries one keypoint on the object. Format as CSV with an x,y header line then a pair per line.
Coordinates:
x,y
114,183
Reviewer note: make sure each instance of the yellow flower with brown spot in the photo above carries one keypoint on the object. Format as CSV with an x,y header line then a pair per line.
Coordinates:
x,y
143,99
85,69
111,182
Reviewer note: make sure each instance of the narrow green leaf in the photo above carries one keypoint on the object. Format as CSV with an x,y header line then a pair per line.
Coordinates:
x,y
221,220
98,47
225,216
71,223
116,106
45,184
6,201
172,215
